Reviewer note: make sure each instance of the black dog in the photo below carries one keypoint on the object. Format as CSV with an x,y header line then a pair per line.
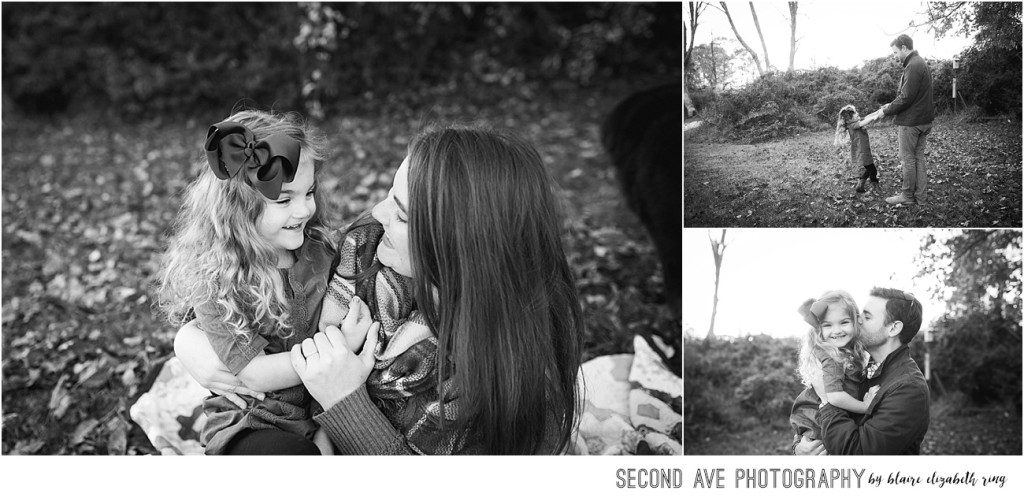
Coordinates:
x,y
644,137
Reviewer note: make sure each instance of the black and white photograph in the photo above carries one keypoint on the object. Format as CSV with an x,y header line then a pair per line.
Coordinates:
x,y
342,229
852,342
852,114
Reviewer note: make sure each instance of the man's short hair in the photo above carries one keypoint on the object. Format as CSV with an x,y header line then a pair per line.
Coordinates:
x,y
903,40
902,306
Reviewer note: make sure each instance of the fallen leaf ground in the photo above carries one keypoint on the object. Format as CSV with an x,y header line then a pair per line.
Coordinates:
x,y
974,172
977,432
88,202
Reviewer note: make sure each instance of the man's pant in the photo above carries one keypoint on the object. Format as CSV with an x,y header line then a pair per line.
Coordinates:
x,y
915,173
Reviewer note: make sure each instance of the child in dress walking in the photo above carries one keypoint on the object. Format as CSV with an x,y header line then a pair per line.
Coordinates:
x,y
851,128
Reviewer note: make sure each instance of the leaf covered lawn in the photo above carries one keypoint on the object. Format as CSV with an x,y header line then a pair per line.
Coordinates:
x,y
974,180
968,432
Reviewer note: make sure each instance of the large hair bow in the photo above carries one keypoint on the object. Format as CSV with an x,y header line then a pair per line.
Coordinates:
x,y
813,310
268,163
807,314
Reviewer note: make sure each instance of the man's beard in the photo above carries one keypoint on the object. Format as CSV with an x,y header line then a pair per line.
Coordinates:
x,y
869,340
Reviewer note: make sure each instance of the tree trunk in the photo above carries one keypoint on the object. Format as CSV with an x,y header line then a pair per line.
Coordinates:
x,y
687,62
696,8
753,55
792,35
767,62
718,248
714,67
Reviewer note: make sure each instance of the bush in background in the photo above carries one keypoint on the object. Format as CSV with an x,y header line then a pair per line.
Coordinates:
x,y
736,383
148,58
979,355
769,395
991,79
779,105
163,58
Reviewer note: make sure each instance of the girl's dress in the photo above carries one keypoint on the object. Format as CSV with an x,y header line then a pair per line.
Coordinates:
x,y
836,378
286,409
860,150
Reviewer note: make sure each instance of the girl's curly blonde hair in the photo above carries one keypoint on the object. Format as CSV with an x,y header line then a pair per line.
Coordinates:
x,y
842,136
851,357
217,265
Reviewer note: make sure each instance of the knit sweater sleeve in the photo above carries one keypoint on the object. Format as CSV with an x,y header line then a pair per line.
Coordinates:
x,y
357,427
907,93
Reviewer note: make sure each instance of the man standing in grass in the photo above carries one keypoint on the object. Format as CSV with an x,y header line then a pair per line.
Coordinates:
x,y
914,111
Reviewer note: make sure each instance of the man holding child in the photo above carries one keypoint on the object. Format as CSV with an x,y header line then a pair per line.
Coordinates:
x,y
897,419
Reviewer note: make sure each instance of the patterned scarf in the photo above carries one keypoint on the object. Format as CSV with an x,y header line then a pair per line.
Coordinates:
x,y
403,382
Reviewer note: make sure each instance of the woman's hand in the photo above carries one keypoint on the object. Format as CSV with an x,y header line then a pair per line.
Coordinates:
x,y
326,365
201,362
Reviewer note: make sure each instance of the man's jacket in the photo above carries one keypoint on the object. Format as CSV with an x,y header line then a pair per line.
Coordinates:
x,y
913,105
896,420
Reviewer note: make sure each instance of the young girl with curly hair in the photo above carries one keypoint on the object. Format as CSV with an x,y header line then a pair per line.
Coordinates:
x,y
832,356
248,265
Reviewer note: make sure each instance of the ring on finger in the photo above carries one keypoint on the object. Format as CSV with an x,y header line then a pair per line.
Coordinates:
x,y
308,347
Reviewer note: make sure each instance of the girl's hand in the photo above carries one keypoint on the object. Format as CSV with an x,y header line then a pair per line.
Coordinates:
x,y
808,446
357,323
871,118
227,385
323,441
201,362
328,368
870,395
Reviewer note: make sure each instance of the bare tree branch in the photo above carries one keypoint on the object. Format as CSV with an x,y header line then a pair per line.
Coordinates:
x,y
718,248
764,48
934,16
753,55
696,8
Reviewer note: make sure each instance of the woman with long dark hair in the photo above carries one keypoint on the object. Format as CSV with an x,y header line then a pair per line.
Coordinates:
x,y
472,219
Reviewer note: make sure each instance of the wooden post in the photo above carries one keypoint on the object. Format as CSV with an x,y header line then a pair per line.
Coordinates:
x,y
956,64
927,355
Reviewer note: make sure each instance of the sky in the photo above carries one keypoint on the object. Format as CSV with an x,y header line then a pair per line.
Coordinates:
x,y
829,33
767,273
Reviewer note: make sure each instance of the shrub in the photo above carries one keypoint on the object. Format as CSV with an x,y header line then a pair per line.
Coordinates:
x,y
149,58
991,79
979,354
702,98
728,381
186,57
779,105
827,107
769,395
